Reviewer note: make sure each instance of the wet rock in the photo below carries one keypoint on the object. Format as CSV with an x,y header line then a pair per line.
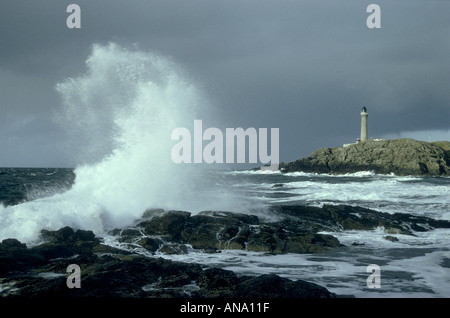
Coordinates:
x,y
333,218
273,286
215,230
129,235
12,244
209,230
267,238
128,275
218,282
151,213
150,244
170,224
310,243
225,230
68,236
15,256
391,238
297,230
174,248
240,240
274,239
112,272
54,250
65,242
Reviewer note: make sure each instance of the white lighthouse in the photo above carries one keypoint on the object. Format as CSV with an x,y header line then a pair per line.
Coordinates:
x,y
364,115
363,136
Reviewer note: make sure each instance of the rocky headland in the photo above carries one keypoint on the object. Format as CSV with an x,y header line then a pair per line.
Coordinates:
x,y
134,268
398,156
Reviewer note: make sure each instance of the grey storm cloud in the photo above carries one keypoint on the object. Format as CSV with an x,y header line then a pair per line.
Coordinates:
x,y
305,67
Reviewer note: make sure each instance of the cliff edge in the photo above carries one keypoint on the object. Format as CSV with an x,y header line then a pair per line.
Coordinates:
x,y
399,156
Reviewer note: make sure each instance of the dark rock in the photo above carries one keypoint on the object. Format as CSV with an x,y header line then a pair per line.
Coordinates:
x,y
64,234
296,232
343,217
129,235
272,238
82,235
355,218
65,242
11,243
310,243
218,282
170,224
54,250
239,241
106,249
150,213
112,272
174,248
67,235
150,244
273,286
41,271
391,238
267,238
200,233
16,258
215,230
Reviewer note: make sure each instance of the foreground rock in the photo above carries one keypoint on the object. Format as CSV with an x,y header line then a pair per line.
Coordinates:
x,y
213,231
41,271
335,218
297,229
398,156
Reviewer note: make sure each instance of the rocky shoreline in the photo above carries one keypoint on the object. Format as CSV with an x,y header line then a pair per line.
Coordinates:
x,y
398,156
135,271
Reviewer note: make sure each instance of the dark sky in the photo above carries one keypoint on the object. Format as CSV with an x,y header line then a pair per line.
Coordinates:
x,y
305,67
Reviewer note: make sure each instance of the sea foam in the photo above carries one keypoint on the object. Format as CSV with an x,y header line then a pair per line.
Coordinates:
x,y
118,117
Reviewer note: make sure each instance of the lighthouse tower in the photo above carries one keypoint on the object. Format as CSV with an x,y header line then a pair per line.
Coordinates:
x,y
364,124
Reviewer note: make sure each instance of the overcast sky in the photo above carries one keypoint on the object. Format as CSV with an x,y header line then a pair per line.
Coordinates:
x,y
305,67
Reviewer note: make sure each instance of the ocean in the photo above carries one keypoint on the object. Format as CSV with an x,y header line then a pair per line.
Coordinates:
x,y
118,118
413,266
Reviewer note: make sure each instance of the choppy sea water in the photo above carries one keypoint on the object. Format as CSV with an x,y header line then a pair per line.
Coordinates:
x,y
413,266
